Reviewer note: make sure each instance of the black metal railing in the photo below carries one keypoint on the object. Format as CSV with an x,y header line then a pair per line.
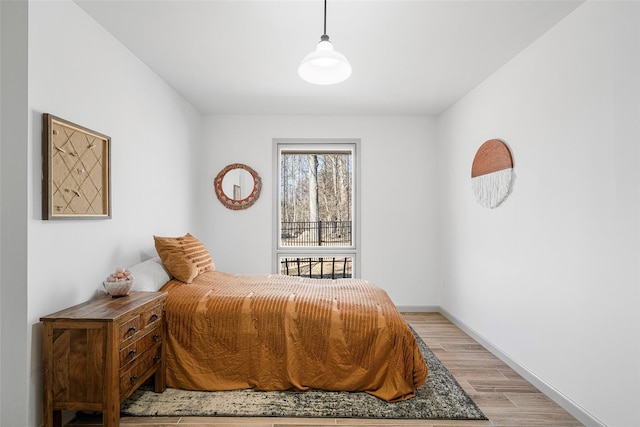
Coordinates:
x,y
317,268
316,233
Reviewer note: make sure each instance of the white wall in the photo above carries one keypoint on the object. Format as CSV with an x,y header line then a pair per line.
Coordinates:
x,y
0,209
551,277
13,203
79,72
398,243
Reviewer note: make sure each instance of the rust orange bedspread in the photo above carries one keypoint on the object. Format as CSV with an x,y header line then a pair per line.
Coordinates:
x,y
273,332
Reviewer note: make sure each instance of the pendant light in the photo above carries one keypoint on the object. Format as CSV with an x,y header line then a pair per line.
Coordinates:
x,y
324,66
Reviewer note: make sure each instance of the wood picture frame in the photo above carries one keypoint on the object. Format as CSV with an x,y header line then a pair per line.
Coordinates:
x,y
76,171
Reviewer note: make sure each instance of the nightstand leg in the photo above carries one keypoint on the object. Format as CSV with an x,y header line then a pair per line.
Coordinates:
x,y
160,377
57,419
111,415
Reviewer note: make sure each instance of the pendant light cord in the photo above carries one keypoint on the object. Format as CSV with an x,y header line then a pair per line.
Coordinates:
x,y
325,17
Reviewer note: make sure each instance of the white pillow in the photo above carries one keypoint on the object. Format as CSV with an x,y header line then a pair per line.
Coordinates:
x,y
149,275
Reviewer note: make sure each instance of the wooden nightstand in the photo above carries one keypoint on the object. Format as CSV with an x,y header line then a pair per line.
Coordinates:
x,y
97,353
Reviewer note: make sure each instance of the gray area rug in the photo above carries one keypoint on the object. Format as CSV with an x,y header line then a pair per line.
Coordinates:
x,y
441,397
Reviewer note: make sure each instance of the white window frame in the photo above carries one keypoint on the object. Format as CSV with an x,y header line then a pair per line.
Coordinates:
x,y
316,145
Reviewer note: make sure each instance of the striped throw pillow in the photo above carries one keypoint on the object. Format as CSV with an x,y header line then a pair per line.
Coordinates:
x,y
184,257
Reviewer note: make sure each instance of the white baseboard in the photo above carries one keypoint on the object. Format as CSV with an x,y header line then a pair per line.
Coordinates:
x,y
563,401
418,308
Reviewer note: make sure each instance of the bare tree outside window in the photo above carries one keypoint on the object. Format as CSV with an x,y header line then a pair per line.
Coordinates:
x,y
315,199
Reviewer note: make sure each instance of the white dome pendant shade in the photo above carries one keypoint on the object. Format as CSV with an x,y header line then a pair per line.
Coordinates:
x,y
324,66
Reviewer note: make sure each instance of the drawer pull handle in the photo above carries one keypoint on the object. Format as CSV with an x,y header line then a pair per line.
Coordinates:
x,y
132,352
156,359
154,317
133,379
131,330
156,337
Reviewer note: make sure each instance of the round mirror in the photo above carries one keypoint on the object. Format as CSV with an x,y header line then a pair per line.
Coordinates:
x,y
237,186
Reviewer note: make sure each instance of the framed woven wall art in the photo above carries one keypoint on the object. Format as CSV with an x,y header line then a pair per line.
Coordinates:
x,y
76,175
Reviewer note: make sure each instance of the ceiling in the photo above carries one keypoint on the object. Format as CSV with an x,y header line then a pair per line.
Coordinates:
x,y
408,57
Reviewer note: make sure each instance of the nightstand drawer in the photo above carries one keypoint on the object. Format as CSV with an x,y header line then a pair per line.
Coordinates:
x,y
129,328
152,316
134,350
133,377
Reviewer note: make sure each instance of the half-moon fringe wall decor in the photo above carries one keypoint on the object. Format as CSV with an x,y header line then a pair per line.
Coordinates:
x,y
491,189
492,173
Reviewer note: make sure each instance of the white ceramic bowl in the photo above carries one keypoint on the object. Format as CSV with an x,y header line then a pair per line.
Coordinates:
x,y
118,289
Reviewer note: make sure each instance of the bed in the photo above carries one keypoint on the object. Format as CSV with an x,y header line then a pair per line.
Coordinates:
x,y
275,332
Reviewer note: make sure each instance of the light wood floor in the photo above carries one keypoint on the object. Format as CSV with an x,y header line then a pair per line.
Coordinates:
x,y
503,395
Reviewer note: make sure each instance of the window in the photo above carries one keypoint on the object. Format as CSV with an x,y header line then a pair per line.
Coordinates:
x,y
316,203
